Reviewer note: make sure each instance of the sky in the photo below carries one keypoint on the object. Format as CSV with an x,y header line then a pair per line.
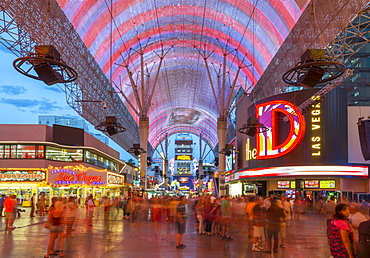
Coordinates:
x,y
22,99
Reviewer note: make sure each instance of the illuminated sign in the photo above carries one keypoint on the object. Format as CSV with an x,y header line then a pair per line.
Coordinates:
x,y
77,175
283,184
22,175
311,184
250,154
316,129
115,179
292,184
267,142
359,171
327,183
184,157
183,180
183,170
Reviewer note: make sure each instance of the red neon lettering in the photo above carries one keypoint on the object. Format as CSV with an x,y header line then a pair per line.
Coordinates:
x,y
64,177
267,142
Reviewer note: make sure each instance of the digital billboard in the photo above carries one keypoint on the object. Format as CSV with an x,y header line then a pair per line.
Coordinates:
x,y
327,183
311,184
283,184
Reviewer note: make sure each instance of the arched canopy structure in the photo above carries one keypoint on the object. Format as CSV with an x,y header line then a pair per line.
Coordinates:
x,y
250,31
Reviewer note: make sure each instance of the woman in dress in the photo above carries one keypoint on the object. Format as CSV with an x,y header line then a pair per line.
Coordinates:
x,y
342,239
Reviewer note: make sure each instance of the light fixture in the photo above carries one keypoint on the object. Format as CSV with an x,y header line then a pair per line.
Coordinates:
x,y
47,66
110,126
252,127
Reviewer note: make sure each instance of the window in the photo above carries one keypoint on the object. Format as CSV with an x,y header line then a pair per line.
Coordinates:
x,y
26,151
67,155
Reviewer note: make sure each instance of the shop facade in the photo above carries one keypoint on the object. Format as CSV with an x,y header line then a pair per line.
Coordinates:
x,y
296,153
35,164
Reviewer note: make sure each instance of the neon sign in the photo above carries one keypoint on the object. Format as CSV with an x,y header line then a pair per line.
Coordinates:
x,y
22,175
184,157
267,142
316,130
76,175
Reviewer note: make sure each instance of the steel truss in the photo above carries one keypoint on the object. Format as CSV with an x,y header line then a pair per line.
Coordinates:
x,y
315,32
24,24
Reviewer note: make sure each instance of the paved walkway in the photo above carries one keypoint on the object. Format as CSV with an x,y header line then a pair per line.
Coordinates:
x,y
115,237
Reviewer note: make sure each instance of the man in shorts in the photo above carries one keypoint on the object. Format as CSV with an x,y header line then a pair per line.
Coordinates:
x,y
226,218
9,206
259,217
181,216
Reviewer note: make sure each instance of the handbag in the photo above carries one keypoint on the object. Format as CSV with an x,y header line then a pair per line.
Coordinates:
x,y
48,224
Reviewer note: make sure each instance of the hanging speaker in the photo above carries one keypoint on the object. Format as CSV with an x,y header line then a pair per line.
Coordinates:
x,y
251,131
47,74
364,134
312,77
111,130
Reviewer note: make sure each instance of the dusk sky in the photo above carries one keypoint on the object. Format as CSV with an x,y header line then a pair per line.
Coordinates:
x,y
22,99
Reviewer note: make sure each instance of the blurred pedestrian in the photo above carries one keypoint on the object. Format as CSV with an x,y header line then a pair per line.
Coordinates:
x,y
199,209
90,210
364,239
55,220
2,199
33,202
70,215
259,219
342,238
226,218
181,216
355,217
275,216
9,206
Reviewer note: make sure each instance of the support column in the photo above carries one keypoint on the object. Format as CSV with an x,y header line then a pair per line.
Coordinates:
x,y
221,133
143,133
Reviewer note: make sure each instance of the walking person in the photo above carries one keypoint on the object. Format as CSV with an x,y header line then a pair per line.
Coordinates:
x,y
342,239
9,206
364,239
55,219
258,224
275,216
199,209
2,199
90,210
181,216
33,202
70,215
226,218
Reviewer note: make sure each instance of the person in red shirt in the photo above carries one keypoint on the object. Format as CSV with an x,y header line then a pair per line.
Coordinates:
x,y
9,206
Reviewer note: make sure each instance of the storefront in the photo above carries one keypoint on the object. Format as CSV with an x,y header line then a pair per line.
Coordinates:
x,y
81,181
22,182
298,153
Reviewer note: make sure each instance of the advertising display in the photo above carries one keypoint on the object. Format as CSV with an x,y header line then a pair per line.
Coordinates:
x,y
80,174
289,136
283,185
327,183
21,175
311,184
184,157
183,180
115,179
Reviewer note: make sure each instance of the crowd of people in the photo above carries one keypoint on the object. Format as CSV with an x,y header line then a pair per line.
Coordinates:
x,y
265,219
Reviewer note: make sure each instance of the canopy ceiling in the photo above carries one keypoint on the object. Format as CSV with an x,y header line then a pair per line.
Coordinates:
x,y
115,31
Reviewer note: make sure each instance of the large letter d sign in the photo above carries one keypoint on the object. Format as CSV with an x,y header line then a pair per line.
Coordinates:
x,y
268,114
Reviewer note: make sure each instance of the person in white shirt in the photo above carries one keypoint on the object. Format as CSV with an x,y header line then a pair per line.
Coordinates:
x,y
355,217
90,210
